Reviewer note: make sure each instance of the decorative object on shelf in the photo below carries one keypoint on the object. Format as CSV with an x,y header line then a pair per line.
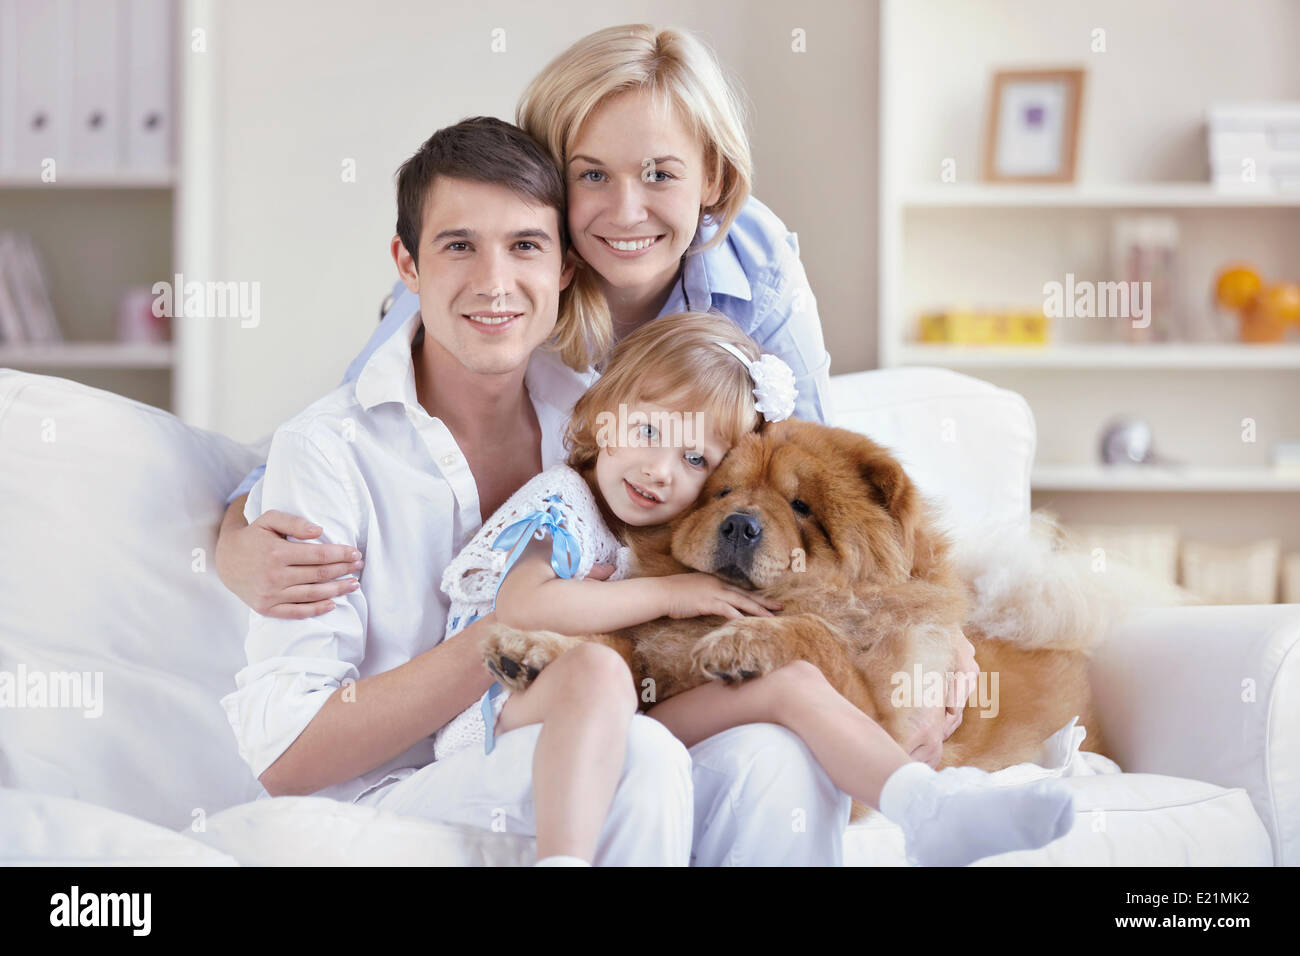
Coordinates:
x,y
1255,146
970,327
1240,574
1129,441
1144,263
26,315
136,321
1033,128
1264,310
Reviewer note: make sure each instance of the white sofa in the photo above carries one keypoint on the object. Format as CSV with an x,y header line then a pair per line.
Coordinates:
x,y
108,516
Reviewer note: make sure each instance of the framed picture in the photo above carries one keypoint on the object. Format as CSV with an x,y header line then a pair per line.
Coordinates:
x,y
1033,131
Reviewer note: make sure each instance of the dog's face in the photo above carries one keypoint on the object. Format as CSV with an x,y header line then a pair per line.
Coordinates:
x,y
802,499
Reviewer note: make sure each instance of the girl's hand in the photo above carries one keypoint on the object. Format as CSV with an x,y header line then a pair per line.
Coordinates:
x,y
696,594
600,572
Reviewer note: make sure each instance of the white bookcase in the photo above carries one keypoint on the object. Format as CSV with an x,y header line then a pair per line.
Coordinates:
x,y
117,218
97,239
948,244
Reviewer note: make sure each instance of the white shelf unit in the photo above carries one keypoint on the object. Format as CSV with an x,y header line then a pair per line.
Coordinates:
x,y
1143,478
979,245
97,242
1094,196
88,355
1103,356
167,209
121,179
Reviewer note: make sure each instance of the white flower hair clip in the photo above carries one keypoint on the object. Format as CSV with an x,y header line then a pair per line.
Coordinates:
x,y
774,388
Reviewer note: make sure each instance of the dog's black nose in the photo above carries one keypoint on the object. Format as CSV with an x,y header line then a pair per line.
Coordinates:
x,y
741,531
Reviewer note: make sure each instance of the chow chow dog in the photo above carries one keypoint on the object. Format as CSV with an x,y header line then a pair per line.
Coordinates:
x,y
827,522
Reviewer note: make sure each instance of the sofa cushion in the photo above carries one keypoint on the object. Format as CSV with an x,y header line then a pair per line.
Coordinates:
x,y
1130,819
110,510
316,831
967,444
39,829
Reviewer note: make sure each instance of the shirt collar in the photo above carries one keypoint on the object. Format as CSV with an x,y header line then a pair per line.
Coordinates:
x,y
389,376
706,274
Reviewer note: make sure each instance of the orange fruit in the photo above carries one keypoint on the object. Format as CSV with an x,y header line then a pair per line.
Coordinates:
x,y
1237,286
1281,300
1259,325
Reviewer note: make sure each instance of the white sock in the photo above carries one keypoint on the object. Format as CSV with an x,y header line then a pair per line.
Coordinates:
x,y
562,861
955,816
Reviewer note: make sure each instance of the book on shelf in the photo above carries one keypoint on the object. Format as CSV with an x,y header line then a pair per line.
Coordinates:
x,y
26,313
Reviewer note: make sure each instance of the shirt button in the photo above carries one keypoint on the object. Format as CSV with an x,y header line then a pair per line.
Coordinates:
x,y
449,460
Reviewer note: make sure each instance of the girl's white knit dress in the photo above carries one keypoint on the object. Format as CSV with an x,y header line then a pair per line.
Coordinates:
x,y
557,500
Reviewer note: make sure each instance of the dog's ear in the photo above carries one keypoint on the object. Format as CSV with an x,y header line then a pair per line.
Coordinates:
x,y
889,487
884,482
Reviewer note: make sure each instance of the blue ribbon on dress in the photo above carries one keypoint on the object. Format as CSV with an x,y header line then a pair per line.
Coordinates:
x,y
566,558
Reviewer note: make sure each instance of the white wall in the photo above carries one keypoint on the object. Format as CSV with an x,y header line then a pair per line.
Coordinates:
x,y
304,85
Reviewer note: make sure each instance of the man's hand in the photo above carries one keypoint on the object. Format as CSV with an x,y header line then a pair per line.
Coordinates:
x,y
930,726
924,742
280,578
960,690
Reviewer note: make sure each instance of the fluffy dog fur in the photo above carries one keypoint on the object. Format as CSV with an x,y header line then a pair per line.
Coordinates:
x,y
827,522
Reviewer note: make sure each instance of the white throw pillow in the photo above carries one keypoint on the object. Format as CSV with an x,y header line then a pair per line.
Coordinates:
x,y
111,603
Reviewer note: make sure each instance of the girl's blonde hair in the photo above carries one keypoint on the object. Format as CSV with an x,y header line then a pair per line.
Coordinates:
x,y
676,362
680,73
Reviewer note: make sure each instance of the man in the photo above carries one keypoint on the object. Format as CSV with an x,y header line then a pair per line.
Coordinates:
x,y
445,420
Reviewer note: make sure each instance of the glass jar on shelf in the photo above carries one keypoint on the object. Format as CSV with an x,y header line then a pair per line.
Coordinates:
x,y
1143,295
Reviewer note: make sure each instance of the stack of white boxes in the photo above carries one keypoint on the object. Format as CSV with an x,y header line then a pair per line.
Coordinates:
x,y
1255,146
85,87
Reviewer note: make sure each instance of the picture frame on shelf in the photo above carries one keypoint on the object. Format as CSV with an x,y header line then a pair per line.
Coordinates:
x,y
1033,126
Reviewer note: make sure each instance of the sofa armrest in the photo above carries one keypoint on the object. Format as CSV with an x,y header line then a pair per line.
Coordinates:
x,y
1210,693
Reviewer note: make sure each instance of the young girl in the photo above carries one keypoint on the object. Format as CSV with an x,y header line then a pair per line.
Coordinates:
x,y
650,138
623,474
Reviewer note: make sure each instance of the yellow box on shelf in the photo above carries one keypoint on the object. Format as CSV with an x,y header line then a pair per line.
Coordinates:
x,y
971,327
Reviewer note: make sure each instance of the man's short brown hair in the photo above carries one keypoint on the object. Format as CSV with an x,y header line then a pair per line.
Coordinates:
x,y
481,149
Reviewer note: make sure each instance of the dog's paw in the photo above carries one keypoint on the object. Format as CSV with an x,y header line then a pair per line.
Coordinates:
x,y
739,650
516,657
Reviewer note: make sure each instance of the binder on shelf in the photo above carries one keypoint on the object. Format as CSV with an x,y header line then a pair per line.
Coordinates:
x,y
39,100
148,78
96,117
8,81
87,84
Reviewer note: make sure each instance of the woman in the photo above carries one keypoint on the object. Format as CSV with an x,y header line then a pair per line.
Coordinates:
x,y
650,139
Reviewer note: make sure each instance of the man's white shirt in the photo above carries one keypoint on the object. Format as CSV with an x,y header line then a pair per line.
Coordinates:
x,y
372,468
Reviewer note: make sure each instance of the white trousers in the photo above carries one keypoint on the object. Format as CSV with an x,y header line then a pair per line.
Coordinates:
x,y
751,796
762,799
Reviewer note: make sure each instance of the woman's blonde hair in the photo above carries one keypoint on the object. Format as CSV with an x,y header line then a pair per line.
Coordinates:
x,y
676,362
680,73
